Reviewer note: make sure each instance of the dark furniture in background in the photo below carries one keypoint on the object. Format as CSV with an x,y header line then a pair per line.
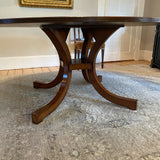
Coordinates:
x,y
156,49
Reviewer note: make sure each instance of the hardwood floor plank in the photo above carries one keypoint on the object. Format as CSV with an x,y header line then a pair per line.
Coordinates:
x,y
125,63
18,72
11,72
37,70
107,65
53,69
45,69
27,71
3,72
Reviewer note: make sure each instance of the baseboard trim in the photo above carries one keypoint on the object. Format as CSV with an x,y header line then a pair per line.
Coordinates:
x,y
130,60
145,55
53,60
28,62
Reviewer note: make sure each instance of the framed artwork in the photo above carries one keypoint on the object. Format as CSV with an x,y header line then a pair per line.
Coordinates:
x,y
47,3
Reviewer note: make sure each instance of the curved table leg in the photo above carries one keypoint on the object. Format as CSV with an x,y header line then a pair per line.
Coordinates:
x,y
128,102
84,56
101,36
56,81
58,38
41,113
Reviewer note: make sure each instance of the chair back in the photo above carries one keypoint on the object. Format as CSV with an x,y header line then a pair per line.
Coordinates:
x,y
78,36
78,44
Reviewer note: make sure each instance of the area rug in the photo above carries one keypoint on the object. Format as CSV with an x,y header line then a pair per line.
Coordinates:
x,y
85,126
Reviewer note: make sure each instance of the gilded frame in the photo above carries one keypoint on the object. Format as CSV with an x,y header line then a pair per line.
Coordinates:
x,y
47,3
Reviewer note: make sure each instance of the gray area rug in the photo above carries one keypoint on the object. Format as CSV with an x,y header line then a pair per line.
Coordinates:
x,y
85,126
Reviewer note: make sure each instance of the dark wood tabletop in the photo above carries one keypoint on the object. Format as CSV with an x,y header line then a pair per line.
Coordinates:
x,y
78,21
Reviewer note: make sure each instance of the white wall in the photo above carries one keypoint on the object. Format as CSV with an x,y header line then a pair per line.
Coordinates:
x,y
19,47
127,39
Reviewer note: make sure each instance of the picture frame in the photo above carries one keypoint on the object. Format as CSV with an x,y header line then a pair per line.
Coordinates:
x,y
47,3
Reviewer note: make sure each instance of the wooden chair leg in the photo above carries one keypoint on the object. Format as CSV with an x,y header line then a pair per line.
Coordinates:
x,y
102,62
78,55
75,53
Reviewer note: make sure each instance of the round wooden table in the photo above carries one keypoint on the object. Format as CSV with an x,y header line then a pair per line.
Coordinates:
x,y
57,29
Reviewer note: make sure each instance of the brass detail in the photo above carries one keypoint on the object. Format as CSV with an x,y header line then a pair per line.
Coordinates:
x,y
47,3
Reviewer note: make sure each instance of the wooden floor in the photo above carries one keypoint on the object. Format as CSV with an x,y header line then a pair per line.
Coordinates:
x,y
16,72
28,71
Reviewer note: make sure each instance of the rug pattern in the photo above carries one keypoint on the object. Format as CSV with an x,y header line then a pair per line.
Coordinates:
x,y
85,126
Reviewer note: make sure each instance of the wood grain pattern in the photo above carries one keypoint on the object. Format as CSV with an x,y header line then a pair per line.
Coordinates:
x,y
101,36
78,21
58,38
